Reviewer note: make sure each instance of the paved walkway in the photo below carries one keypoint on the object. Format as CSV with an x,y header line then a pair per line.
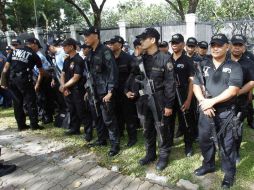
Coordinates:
x,y
43,165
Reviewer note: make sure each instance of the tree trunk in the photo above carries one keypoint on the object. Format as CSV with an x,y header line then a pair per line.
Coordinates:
x,y
3,21
192,6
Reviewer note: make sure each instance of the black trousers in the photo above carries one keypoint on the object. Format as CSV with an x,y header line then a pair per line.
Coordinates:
x,y
126,114
23,94
78,112
187,131
226,141
106,122
151,131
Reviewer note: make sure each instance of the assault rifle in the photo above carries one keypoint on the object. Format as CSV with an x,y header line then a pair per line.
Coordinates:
x,y
148,90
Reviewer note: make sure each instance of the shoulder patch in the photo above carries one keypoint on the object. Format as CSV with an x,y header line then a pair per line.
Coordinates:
x,y
108,55
170,66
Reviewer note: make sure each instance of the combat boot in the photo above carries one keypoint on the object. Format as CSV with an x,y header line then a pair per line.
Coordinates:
x,y
6,169
162,163
114,150
147,159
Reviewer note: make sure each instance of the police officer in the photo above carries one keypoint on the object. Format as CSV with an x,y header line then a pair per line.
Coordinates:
x,y
191,46
159,69
125,108
163,47
237,50
104,71
184,73
21,63
72,86
202,50
223,79
44,95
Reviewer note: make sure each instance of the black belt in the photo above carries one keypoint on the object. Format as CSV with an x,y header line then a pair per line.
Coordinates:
x,y
224,108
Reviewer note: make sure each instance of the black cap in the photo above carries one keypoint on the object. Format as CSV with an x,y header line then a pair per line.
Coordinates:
x,y
55,42
191,42
115,39
84,46
203,44
8,48
69,42
91,30
177,38
219,39
163,44
15,42
238,39
149,32
136,42
34,41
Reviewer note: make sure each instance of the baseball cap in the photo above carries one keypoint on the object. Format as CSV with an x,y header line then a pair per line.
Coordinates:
x,y
219,39
8,48
192,41
238,39
34,41
163,44
91,30
149,32
15,42
203,44
115,39
177,38
55,42
69,42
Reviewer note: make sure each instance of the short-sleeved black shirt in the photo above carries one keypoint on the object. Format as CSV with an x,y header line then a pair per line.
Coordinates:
x,y
183,68
218,80
74,65
23,58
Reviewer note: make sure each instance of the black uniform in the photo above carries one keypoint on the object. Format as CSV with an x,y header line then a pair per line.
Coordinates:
x,y
125,108
159,69
22,62
104,71
216,81
75,100
250,112
242,101
184,69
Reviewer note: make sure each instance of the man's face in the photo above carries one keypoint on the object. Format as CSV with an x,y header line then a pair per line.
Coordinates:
x,y
202,51
147,43
90,39
85,51
177,46
237,49
218,50
190,49
164,49
52,49
68,48
115,46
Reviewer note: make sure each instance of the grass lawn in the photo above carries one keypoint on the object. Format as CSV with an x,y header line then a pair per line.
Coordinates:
x,y
179,167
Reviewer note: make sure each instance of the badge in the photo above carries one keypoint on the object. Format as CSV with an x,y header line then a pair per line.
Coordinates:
x,y
170,66
107,55
71,65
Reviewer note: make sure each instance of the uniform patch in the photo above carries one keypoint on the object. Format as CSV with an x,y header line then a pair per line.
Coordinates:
x,y
71,65
180,66
170,66
107,55
226,70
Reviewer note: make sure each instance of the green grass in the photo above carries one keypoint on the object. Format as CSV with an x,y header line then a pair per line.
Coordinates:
x,y
179,167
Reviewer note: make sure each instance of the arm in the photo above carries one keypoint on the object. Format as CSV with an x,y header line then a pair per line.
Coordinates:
x,y
4,75
40,76
72,81
62,79
246,88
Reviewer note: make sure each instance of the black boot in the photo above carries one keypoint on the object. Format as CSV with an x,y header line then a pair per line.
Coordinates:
x,y
23,128
36,127
132,134
114,150
6,169
227,181
162,163
147,159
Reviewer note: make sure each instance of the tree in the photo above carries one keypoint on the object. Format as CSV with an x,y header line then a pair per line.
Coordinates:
x,y
3,21
97,10
183,6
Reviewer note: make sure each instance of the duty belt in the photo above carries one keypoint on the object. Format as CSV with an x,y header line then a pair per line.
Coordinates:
x,y
226,108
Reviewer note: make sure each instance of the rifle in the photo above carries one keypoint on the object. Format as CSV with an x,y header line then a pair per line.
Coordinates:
x,y
56,70
180,101
90,85
148,90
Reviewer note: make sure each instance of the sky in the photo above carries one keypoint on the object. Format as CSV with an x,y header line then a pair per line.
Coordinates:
x,y
113,3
